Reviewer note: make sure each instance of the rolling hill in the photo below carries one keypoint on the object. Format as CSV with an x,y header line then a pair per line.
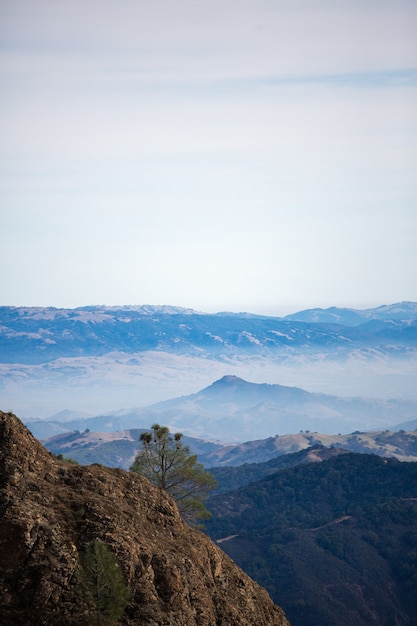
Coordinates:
x,y
118,449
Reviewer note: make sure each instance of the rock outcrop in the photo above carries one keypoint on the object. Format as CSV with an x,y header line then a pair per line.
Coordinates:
x,y
51,510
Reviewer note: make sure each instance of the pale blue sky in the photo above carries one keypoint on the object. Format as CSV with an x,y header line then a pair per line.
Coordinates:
x,y
239,154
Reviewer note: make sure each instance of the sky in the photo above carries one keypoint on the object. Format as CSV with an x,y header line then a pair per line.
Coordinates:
x,y
241,155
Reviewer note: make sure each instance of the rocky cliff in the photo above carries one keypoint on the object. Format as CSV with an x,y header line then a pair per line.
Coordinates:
x,y
50,512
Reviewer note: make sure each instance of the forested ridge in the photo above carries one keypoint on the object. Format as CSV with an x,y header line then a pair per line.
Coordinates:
x,y
335,541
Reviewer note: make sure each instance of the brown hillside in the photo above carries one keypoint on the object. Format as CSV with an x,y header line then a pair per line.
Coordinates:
x,y
51,510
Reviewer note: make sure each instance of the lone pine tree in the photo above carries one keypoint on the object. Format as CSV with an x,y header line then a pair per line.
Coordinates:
x,y
168,464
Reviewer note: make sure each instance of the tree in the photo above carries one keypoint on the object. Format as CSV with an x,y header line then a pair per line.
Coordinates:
x,y
168,464
102,584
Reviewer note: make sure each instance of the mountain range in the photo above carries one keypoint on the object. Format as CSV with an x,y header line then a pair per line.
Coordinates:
x,y
327,529
38,335
98,359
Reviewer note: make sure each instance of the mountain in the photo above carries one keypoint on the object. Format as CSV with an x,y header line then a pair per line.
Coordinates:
x,y
232,409
118,449
52,511
97,359
335,540
411,425
399,312
36,335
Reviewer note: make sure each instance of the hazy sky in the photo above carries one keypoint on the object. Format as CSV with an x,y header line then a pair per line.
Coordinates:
x,y
253,155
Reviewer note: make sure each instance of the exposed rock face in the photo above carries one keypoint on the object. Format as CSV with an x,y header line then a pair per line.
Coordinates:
x,y
51,510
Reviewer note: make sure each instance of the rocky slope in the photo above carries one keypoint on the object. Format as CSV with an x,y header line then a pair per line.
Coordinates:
x,y
51,510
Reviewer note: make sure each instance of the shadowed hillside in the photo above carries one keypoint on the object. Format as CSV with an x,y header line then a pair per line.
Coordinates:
x,y
335,541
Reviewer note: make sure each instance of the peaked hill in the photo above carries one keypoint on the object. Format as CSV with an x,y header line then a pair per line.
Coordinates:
x,y
235,410
232,408
52,510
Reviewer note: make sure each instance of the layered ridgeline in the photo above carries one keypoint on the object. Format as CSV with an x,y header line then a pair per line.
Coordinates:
x,y
38,335
52,512
231,408
118,449
99,358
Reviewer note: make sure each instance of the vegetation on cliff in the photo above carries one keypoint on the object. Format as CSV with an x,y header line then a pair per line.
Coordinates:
x,y
169,465
51,512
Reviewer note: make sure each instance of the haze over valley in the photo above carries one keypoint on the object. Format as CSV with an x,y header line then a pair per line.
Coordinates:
x,y
104,360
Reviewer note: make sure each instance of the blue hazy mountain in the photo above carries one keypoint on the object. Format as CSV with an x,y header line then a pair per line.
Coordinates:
x,y
398,312
98,359
235,410
38,335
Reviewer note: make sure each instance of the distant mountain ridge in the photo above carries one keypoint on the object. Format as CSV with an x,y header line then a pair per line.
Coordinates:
x,y
38,335
96,359
401,311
